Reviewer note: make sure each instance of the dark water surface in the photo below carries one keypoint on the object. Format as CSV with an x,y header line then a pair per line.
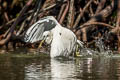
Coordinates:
x,y
37,68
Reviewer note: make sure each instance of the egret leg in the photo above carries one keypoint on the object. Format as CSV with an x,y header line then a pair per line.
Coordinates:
x,y
77,51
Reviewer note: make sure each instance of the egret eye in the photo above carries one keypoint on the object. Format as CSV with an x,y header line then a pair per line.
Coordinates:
x,y
47,35
43,36
60,33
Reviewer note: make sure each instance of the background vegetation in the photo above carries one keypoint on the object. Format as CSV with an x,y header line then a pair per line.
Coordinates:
x,y
90,20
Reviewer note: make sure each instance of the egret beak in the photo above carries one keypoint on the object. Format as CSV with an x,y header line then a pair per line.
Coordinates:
x,y
40,45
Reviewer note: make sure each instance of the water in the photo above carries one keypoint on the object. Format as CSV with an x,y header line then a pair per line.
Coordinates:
x,y
37,68
100,49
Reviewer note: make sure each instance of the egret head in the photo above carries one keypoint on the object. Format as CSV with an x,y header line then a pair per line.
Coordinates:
x,y
47,36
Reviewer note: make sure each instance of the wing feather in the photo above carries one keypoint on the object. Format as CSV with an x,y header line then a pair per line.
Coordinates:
x,y
35,32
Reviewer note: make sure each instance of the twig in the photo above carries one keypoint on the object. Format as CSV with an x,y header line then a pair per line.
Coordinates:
x,y
45,9
81,14
71,15
96,23
118,25
65,12
11,21
38,4
104,13
6,16
100,6
91,11
4,41
61,11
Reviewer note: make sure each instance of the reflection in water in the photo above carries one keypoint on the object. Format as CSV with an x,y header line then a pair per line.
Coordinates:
x,y
100,68
32,72
37,72
62,70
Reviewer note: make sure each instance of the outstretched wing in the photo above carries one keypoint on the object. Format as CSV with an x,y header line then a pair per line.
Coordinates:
x,y
35,32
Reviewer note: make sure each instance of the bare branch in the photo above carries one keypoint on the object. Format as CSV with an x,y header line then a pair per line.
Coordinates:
x,y
65,12
96,23
81,14
100,6
61,11
71,15
2,42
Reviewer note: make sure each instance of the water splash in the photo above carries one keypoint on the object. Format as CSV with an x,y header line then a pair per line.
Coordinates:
x,y
101,49
100,44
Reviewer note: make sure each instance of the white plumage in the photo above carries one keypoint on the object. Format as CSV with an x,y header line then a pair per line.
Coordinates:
x,y
35,32
62,40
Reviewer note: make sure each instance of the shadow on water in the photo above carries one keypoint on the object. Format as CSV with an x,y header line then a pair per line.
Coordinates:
x,y
37,68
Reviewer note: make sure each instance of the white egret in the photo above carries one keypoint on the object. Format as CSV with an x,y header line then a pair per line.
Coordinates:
x,y
63,41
